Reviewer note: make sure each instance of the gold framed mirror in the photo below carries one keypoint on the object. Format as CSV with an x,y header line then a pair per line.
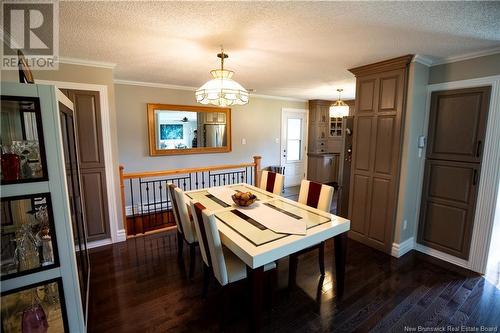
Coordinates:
x,y
187,129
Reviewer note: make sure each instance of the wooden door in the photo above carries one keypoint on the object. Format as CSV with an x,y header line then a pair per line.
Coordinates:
x,y
376,154
91,157
452,169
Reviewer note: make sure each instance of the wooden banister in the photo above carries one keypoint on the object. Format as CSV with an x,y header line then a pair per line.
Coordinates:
x,y
256,170
141,177
122,193
185,171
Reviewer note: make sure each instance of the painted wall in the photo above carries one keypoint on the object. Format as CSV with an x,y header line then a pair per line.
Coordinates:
x,y
466,69
89,75
411,161
258,122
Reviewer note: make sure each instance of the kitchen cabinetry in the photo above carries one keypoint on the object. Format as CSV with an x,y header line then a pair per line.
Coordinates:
x,y
323,168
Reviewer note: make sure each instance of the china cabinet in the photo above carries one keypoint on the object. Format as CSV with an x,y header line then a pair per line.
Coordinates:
x,y
44,262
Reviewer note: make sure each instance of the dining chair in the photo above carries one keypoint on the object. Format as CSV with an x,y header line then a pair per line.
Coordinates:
x,y
185,228
272,182
225,265
318,196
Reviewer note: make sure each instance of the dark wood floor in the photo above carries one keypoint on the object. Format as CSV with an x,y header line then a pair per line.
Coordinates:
x,y
139,286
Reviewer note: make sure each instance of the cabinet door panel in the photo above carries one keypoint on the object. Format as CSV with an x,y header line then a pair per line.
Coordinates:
x,y
366,93
96,210
458,123
360,203
88,120
385,143
380,212
448,205
363,143
388,93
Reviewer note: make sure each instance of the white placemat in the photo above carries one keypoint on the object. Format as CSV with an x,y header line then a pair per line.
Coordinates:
x,y
222,193
274,219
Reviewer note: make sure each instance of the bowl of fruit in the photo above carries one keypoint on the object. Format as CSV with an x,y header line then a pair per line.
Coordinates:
x,y
244,199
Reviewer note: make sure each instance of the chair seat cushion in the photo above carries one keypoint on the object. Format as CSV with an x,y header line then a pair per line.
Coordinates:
x,y
237,269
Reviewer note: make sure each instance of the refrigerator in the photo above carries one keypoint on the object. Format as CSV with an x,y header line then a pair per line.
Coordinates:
x,y
345,167
215,135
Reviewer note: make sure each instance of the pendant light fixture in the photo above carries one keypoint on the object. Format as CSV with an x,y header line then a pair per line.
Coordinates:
x,y
222,90
339,109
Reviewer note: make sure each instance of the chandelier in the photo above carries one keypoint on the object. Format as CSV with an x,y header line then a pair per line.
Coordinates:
x,y
222,90
339,109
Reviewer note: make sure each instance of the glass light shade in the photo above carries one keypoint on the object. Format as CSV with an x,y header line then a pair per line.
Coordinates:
x,y
222,90
339,109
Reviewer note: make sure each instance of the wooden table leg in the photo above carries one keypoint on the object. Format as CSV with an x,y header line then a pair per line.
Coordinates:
x,y
257,280
340,250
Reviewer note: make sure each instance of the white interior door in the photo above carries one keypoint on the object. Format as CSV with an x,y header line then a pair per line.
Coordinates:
x,y
293,145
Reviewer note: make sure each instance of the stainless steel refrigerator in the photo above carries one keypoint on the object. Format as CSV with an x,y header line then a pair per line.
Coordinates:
x,y
215,135
345,167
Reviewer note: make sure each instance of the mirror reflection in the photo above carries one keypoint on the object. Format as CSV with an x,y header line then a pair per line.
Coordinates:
x,y
181,132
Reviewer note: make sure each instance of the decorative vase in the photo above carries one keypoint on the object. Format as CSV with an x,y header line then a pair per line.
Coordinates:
x,y
11,167
34,320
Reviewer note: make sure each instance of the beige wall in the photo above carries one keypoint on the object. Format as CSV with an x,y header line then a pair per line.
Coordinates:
x,y
259,122
410,161
467,69
88,75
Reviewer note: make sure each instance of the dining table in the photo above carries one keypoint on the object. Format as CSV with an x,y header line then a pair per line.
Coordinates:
x,y
272,228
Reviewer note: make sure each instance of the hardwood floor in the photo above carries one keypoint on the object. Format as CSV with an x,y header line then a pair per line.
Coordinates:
x,y
139,286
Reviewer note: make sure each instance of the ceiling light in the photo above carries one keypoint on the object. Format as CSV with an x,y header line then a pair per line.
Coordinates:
x,y
339,109
222,90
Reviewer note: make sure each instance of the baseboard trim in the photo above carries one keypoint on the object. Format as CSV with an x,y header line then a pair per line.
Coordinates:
x,y
98,243
443,256
121,235
400,249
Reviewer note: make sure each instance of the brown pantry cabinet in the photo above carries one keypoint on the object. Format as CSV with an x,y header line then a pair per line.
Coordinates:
x,y
91,157
457,127
380,106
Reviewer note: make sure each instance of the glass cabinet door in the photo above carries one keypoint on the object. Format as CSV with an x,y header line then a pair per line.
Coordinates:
x,y
74,193
28,235
35,308
21,139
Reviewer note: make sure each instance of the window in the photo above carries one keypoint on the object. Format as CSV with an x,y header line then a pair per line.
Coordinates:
x,y
294,139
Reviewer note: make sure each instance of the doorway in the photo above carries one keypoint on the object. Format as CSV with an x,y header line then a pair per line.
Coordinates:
x,y
116,232
293,145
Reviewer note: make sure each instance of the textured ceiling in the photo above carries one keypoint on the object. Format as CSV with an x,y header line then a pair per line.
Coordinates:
x,y
293,49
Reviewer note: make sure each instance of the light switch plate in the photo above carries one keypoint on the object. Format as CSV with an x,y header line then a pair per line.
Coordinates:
x,y
243,141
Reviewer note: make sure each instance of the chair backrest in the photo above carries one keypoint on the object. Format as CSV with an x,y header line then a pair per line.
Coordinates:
x,y
209,240
272,181
199,227
171,191
183,215
316,195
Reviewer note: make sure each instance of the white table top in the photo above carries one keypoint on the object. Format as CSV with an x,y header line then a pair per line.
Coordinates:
x,y
258,247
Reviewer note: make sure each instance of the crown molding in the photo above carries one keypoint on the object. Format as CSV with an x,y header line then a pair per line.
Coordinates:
x,y
189,88
424,60
83,62
467,56
153,85
382,66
